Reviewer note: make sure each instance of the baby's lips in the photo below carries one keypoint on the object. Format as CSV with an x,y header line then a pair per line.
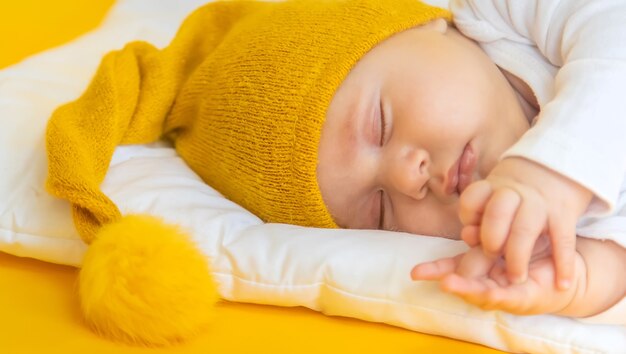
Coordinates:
x,y
466,168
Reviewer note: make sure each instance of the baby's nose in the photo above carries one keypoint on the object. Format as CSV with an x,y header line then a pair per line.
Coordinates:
x,y
410,173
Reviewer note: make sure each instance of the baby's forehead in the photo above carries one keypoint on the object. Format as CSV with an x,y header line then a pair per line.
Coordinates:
x,y
276,75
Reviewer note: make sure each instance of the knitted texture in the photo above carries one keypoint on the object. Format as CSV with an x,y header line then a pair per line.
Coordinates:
x,y
143,281
242,91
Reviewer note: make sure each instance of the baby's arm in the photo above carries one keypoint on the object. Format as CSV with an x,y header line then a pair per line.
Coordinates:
x,y
605,286
579,131
598,283
519,201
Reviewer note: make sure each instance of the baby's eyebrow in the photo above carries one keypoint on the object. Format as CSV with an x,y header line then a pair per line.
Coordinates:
x,y
352,128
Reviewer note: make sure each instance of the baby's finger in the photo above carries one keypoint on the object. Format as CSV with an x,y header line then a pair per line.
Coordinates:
x,y
498,274
462,286
434,270
472,202
515,298
563,236
472,290
470,234
497,218
474,263
488,295
527,226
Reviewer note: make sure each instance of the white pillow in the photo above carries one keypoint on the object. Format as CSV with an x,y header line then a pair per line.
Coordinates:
x,y
361,274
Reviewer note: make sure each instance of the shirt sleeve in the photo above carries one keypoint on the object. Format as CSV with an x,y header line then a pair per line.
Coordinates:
x,y
580,131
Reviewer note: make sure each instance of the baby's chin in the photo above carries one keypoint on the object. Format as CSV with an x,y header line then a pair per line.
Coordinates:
x,y
452,232
452,235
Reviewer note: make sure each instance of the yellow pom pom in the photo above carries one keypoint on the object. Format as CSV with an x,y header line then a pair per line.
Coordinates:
x,y
144,281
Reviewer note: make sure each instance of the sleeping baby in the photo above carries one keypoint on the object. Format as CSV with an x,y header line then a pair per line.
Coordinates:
x,y
502,129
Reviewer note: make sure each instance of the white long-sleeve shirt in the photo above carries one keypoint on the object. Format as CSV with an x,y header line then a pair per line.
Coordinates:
x,y
572,54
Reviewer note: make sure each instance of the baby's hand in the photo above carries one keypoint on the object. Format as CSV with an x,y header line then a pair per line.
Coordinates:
x,y
519,201
481,280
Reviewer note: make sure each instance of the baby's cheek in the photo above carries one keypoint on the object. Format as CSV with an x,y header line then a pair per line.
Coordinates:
x,y
429,217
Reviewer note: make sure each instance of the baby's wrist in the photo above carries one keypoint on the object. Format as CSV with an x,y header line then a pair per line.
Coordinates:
x,y
596,289
578,196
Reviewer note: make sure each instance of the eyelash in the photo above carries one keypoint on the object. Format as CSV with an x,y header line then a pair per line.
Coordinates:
x,y
381,218
383,124
383,128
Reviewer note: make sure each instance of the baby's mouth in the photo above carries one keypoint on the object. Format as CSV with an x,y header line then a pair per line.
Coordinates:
x,y
452,180
467,164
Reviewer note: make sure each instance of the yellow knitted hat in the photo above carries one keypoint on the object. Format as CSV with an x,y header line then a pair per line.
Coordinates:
x,y
242,92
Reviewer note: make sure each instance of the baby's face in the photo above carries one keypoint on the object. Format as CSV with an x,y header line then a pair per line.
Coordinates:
x,y
417,119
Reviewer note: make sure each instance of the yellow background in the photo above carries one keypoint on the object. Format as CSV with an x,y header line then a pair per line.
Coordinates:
x,y
38,306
